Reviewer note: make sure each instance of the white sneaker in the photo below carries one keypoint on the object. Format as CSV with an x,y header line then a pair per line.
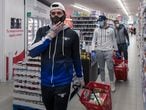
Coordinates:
x,y
113,88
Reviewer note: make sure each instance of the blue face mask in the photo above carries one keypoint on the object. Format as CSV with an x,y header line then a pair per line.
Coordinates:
x,y
101,24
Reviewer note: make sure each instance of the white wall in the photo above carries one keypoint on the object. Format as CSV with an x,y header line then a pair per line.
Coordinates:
x,y
11,40
2,50
14,37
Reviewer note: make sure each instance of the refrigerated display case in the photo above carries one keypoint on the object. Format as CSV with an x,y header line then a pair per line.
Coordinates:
x,y
33,25
30,30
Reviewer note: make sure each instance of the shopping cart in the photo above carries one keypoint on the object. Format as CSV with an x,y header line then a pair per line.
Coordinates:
x,y
96,96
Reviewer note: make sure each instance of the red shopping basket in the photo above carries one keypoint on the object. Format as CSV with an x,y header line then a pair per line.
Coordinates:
x,y
121,71
119,59
120,68
105,95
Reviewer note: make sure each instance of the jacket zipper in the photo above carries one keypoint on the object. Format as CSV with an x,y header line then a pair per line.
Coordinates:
x,y
53,61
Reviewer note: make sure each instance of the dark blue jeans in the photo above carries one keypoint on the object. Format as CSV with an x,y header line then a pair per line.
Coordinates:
x,y
55,98
123,48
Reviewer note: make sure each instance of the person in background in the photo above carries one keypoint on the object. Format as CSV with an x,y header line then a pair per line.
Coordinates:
x,y
122,37
58,46
103,44
134,31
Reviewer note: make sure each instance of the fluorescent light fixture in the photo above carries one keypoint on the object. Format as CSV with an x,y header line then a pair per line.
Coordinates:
x,y
130,21
122,5
81,7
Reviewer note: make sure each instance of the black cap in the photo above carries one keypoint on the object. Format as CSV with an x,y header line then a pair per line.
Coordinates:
x,y
102,18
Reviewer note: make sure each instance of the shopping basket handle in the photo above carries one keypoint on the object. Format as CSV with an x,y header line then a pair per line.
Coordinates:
x,y
95,97
77,86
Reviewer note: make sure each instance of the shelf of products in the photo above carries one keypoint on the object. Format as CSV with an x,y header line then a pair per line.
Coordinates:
x,y
89,67
86,25
27,89
141,41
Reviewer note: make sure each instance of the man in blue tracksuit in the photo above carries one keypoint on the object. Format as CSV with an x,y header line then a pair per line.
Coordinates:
x,y
58,46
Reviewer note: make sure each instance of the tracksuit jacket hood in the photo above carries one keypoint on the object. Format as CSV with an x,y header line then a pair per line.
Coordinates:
x,y
59,56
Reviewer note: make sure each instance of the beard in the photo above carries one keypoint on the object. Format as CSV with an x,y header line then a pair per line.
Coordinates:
x,y
56,19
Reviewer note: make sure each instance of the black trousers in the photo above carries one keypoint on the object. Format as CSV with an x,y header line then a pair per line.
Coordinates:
x,y
55,98
123,48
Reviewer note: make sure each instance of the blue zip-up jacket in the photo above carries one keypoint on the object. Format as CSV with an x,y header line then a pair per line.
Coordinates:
x,y
59,56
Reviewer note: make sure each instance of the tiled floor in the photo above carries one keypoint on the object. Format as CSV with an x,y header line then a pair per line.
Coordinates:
x,y
128,95
6,91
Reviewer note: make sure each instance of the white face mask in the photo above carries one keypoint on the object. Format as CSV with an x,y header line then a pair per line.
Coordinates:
x,y
101,23
117,25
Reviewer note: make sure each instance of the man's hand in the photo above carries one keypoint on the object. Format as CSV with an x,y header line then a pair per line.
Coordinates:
x,y
55,29
93,56
80,82
114,53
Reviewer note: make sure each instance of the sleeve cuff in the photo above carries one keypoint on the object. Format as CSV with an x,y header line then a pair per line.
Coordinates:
x,y
48,37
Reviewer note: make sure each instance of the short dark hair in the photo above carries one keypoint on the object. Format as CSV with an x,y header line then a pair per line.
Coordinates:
x,y
116,21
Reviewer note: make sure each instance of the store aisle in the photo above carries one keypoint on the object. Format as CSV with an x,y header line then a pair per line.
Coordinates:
x,y
128,95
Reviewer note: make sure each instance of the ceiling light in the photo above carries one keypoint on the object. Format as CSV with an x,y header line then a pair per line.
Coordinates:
x,y
79,6
123,7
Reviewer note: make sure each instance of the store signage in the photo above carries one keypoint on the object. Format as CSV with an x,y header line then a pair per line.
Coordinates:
x,y
28,14
14,32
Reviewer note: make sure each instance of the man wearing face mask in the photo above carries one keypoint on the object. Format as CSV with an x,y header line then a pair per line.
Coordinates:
x,y
104,43
58,46
122,39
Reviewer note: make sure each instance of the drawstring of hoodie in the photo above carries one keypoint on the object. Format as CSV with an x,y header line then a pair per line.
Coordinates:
x,y
63,43
55,48
50,51
56,44
105,35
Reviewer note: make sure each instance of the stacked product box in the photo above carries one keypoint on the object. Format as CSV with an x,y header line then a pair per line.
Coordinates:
x,y
27,89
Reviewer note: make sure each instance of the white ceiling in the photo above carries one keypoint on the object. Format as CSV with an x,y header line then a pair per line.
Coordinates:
x,y
108,6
